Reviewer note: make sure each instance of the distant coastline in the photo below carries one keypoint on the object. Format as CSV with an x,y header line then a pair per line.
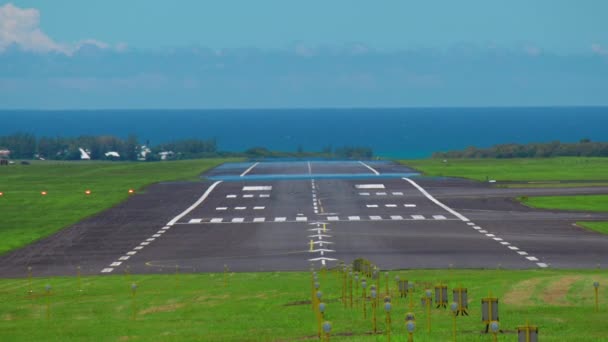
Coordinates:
x,y
415,132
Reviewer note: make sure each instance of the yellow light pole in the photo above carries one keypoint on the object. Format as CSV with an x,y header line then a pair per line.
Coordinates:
x,y
327,330
410,290
386,285
374,305
350,288
318,313
387,309
454,308
364,298
596,286
411,328
357,289
427,300
495,328
321,318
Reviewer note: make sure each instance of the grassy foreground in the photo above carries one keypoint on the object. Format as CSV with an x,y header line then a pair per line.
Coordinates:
x,y
276,307
28,216
547,169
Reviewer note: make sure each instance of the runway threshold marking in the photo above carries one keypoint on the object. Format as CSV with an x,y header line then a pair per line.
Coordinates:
x,y
249,169
369,167
477,228
169,224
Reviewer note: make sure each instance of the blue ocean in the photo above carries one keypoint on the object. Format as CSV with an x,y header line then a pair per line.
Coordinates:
x,y
402,133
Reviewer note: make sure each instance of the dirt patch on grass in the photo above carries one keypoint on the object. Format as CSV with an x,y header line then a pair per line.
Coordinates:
x,y
556,292
521,292
161,308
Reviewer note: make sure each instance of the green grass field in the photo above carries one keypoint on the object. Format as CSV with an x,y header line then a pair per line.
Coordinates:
x,y
548,169
28,216
600,227
276,307
597,203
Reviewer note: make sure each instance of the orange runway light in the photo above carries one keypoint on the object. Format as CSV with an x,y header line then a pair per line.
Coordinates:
x,y
1,193
43,193
88,192
131,191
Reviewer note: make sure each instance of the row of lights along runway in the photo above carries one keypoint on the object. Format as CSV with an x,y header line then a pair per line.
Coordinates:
x,y
319,242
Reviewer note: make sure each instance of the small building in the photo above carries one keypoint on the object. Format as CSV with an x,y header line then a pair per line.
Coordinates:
x,y
5,153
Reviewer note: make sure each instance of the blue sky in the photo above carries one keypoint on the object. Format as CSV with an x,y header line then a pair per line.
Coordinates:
x,y
559,25
283,53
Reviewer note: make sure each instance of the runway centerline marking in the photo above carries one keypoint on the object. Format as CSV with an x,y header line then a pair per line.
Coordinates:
x,y
165,227
370,168
249,169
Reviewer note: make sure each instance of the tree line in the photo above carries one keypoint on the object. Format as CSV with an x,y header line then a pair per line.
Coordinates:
x,y
28,146
583,148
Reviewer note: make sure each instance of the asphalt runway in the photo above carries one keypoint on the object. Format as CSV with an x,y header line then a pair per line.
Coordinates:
x,y
263,216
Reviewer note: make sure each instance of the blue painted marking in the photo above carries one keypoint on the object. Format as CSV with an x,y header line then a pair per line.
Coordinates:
x,y
305,176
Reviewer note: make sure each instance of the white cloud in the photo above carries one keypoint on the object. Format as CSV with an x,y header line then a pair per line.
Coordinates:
x,y
21,27
600,50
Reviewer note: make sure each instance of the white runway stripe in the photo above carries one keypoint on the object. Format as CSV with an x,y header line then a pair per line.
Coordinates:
x,y
259,208
369,186
439,217
434,200
398,193
280,219
249,169
238,220
409,205
396,217
248,196
418,217
381,193
264,195
372,206
301,219
259,219
364,193
354,218
221,208
258,188
333,218
240,208
375,218
217,220
196,220
390,205
370,168
230,196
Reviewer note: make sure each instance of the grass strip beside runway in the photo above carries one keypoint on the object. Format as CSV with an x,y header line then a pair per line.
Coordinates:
x,y
597,203
275,306
27,216
525,169
600,227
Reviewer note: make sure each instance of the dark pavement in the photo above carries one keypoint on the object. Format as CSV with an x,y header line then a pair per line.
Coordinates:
x,y
250,223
